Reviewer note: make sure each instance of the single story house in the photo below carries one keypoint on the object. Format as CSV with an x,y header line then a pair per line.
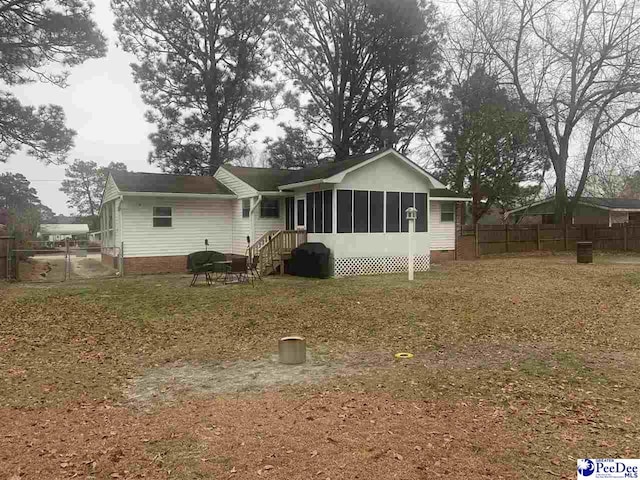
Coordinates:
x,y
356,207
56,232
589,211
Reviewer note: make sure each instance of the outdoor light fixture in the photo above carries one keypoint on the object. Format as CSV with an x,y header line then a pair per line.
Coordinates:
x,y
412,215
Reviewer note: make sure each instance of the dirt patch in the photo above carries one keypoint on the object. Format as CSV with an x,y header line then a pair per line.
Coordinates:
x,y
167,382
39,270
90,268
178,380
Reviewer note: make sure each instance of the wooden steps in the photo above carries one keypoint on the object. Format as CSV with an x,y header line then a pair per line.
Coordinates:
x,y
276,249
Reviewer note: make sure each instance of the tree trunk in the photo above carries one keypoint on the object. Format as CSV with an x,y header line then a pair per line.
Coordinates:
x,y
560,215
561,201
476,197
214,155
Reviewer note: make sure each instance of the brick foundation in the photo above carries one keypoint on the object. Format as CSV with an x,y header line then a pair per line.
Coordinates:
x,y
173,264
441,256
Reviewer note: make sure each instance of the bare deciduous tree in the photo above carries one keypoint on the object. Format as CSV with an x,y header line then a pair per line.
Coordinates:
x,y
575,64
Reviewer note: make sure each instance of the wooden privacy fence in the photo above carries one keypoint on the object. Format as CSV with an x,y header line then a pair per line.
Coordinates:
x,y
7,264
528,238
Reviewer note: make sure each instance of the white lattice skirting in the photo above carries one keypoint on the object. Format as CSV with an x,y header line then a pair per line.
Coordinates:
x,y
376,265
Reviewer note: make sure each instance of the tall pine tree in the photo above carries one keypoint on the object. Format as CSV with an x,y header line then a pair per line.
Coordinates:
x,y
204,71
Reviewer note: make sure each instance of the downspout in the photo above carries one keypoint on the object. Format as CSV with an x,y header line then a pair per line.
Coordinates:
x,y
121,229
252,231
121,246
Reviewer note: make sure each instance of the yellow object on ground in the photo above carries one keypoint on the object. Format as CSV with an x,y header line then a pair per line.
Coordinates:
x,y
404,355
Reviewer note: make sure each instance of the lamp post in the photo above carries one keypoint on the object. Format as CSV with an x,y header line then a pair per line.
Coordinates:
x,y
412,214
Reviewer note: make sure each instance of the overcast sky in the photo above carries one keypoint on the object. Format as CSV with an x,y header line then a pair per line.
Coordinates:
x,y
102,103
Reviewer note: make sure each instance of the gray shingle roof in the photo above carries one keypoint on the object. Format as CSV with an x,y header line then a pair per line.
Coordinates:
x,y
262,179
614,203
269,179
165,183
443,192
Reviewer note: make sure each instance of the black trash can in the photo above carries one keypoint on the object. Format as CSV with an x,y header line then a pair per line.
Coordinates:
x,y
584,252
310,260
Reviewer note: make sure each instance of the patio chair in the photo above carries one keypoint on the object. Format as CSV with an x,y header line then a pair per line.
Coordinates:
x,y
198,263
239,270
253,267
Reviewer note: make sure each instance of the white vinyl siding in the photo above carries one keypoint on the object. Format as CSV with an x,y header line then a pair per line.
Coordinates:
x,y
111,191
193,221
241,228
443,234
233,183
263,225
386,174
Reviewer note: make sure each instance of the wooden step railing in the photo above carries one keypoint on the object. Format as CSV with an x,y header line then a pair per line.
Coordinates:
x,y
258,244
279,245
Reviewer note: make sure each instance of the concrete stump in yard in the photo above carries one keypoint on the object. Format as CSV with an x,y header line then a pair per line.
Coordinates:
x,y
292,350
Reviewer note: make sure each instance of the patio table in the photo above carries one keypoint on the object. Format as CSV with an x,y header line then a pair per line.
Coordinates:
x,y
223,271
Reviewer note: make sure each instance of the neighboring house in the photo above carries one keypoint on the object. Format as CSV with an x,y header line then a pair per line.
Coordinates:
x,y
56,232
356,207
95,236
590,210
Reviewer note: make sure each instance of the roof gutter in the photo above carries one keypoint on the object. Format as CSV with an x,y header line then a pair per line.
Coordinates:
x,y
450,199
276,194
317,181
221,196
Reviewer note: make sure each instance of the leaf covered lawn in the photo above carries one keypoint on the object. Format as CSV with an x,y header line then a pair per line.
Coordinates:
x,y
537,354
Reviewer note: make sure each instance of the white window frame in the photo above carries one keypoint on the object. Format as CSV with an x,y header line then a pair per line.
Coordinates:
x,y
246,208
453,212
279,207
154,216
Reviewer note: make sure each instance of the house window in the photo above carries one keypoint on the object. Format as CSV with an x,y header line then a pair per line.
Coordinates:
x,y
107,224
270,208
289,203
393,212
319,211
421,205
447,211
328,211
110,215
317,205
376,208
300,213
361,211
406,200
161,216
246,207
345,209
310,222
